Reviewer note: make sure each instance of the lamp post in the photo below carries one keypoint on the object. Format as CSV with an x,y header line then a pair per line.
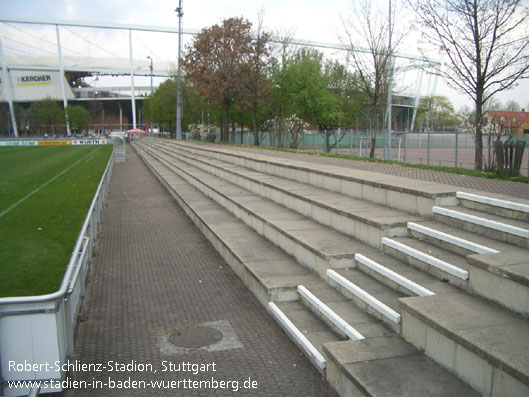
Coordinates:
x,y
180,12
150,107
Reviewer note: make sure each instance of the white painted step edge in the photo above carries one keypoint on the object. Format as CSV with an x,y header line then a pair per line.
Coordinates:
x,y
329,314
301,340
466,244
365,296
431,260
400,280
502,227
493,201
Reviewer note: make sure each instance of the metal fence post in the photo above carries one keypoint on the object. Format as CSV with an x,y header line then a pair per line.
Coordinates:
x,y
457,147
405,144
428,156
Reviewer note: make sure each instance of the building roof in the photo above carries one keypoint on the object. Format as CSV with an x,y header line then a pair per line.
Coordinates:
x,y
509,118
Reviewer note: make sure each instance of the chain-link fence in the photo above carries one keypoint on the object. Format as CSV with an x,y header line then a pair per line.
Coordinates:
x,y
455,150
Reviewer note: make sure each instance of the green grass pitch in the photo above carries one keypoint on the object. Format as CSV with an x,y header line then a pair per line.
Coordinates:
x,y
40,220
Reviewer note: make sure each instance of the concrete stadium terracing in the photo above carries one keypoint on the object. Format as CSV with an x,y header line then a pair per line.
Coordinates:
x,y
389,285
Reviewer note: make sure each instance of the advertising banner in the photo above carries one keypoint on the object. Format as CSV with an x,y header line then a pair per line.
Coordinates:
x,y
30,85
96,141
19,143
54,143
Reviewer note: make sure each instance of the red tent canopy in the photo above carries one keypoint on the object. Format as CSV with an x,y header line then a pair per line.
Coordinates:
x,y
136,131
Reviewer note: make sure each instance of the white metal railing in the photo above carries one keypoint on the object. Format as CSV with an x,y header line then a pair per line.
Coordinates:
x,y
40,329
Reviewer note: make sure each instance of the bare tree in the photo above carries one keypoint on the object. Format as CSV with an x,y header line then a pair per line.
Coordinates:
x,y
485,44
256,84
282,52
367,33
512,106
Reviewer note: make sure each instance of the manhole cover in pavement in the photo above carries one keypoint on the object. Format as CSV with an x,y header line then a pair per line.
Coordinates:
x,y
199,336
213,336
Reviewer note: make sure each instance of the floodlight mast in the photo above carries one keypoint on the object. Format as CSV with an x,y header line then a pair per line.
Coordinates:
x,y
390,82
63,86
180,13
132,95
150,107
7,84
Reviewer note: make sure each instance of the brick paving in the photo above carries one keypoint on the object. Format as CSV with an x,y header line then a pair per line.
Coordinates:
x,y
154,273
514,189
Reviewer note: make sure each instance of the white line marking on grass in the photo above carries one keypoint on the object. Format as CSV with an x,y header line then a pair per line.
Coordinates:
x,y
44,184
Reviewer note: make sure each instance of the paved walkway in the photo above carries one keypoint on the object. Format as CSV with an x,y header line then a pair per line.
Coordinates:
x,y
156,273
514,189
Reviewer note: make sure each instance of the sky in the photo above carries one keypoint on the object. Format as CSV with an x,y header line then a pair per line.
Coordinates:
x,y
304,19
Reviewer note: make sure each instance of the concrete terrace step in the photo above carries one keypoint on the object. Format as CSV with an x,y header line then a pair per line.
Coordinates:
x,y
312,244
413,196
268,272
410,282
498,271
507,207
349,365
274,276
434,260
484,344
497,227
304,329
388,366
358,218
455,239
369,294
364,325
502,278
473,352
329,316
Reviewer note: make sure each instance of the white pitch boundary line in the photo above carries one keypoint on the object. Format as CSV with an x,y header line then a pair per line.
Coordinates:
x,y
44,185
329,314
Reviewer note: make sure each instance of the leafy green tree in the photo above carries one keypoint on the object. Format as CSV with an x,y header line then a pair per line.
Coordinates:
x,y
347,88
435,112
78,117
308,90
50,113
300,88
162,104
33,117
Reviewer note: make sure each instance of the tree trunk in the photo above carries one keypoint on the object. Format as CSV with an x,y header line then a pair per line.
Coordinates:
x,y
373,133
226,122
478,154
254,126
